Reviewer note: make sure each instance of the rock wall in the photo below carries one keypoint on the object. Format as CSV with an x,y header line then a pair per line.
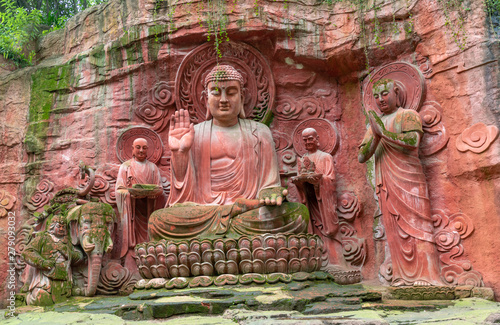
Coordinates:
x,y
116,65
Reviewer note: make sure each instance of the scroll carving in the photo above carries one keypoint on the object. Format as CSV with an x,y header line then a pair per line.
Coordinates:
x,y
158,106
42,195
435,136
449,233
477,138
424,64
289,108
114,278
104,185
353,248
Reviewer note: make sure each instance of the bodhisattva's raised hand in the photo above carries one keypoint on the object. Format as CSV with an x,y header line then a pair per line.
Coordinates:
x,y
181,133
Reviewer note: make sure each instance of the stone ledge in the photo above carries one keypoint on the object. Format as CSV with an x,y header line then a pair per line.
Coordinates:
x,y
439,293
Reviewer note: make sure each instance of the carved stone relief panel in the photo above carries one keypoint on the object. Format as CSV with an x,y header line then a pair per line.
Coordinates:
x,y
477,138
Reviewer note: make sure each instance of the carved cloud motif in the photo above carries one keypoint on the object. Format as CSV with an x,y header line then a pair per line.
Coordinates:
x,y
6,203
158,106
289,108
435,135
42,195
477,138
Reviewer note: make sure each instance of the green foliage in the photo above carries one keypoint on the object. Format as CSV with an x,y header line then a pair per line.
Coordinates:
x,y
55,13
455,14
23,21
18,27
493,12
217,20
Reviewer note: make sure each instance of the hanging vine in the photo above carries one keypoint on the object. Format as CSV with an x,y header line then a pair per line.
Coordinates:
x,y
455,16
217,20
493,13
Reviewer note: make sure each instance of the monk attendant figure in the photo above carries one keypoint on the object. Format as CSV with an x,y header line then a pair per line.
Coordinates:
x,y
134,210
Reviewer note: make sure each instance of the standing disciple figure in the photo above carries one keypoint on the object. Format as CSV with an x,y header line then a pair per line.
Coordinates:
x,y
317,189
135,209
394,138
225,175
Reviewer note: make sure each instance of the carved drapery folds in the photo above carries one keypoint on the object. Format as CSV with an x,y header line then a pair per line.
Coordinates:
x,y
477,138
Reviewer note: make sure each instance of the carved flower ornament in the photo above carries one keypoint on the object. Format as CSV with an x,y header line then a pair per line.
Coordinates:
x,y
477,138
6,203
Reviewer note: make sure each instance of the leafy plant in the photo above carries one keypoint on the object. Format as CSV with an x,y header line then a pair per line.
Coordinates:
x,y
493,12
18,27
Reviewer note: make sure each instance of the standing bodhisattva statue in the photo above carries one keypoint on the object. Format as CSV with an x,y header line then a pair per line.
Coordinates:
x,y
394,138
225,174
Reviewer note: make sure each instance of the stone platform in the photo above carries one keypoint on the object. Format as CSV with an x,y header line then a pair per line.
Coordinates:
x,y
297,302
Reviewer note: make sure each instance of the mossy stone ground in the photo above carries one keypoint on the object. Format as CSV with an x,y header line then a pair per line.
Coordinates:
x,y
318,302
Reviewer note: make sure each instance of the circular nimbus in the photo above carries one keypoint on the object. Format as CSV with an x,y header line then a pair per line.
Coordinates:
x,y
328,140
127,138
259,89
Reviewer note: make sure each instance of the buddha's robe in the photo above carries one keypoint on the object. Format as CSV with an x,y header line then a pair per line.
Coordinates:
x,y
204,203
404,202
134,212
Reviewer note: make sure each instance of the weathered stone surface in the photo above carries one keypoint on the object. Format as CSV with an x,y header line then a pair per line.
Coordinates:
x,y
249,306
483,293
92,77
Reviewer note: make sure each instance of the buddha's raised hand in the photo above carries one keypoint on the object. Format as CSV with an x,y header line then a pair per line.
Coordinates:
x,y
181,133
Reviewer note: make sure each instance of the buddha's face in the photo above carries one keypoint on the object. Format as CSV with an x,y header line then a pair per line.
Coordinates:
x,y
311,141
140,149
225,101
385,95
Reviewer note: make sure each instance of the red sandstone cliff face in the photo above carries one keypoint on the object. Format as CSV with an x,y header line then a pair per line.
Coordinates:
x,y
94,79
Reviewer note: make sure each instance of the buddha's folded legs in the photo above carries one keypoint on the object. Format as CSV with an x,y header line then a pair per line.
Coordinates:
x,y
187,221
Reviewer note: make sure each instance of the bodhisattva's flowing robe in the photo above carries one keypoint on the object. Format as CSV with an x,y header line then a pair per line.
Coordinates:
x,y
404,202
133,224
210,193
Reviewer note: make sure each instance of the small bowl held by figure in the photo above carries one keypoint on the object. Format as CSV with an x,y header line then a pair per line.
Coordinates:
x,y
145,190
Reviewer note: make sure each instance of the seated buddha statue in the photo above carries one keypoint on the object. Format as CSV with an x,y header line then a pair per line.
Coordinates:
x,y
225,177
